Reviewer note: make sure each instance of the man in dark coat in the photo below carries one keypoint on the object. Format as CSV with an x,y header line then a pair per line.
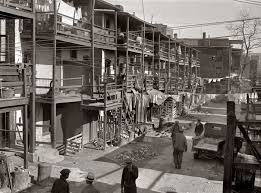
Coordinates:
x,y
180,145
61,185
175,129
129,176
90,188
199,128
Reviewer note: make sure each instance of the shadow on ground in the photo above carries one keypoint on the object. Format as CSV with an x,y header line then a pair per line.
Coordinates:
x,y
76,187
211,169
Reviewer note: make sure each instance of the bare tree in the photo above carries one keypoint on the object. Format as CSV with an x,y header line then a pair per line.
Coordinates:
x,y
248,30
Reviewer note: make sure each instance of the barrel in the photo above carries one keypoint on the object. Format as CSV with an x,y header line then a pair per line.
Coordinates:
x,y
44,171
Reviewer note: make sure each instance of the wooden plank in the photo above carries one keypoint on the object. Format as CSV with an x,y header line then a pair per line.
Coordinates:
x,y
229,147
12,84
13,102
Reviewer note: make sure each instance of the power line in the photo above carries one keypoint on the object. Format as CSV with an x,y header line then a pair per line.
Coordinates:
x,y
248,2
213,23
254,1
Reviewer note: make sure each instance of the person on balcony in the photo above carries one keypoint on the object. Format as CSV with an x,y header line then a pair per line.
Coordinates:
x,y
139,40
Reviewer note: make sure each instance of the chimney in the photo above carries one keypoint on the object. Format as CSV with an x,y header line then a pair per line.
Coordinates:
x,y
175,36
133,13
204,35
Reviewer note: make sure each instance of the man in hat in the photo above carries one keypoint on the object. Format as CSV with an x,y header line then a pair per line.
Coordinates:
x,y
129,176
90,188
61,185
180,145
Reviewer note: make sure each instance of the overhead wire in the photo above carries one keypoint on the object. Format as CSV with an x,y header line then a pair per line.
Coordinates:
x,y
214,23
248,2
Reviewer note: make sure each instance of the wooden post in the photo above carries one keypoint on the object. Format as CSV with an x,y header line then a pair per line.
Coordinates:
x,y
127,51
142,112
119,134
159,63
53,104
32,92
92,44
105,128
229,147
116,42
168,71
184,69
190,66
25,137
153,55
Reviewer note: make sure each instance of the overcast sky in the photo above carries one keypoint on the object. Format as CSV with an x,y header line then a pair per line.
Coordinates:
x,y
184,12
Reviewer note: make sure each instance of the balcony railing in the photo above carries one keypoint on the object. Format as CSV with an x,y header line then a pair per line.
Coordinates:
x,y
23,5
164,52
149,82
105,93
131,79
104,36
135,42
63,87
149,47
66,26
15,80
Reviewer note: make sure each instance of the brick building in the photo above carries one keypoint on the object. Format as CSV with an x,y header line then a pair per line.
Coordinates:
x,y
216,55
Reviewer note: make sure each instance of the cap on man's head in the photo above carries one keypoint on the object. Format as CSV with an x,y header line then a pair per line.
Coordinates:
x,y
65,172
128,161
90,177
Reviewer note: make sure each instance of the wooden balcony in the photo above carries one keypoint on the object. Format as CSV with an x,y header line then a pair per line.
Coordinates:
x,y
104,38
68,29
149,82
159,82
131,81
135,43
106,96
66,90
173,57
163,53
16,8
14,84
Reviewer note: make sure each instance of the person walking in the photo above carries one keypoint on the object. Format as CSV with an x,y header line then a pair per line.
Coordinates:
x,y
175,129
61,185
199,128
90,188
129,176
180,145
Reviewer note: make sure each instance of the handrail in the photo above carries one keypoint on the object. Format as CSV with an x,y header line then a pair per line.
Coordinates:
x,y
18,4
45,84
103,28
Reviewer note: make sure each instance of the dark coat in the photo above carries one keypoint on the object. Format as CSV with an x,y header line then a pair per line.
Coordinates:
x,y
60,186
90,189
199,129
175,129
128,179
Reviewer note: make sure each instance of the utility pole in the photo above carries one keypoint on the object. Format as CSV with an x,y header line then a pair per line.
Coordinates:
x,y
229,70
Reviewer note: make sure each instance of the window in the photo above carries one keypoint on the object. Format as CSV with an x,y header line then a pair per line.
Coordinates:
x,y
73,54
